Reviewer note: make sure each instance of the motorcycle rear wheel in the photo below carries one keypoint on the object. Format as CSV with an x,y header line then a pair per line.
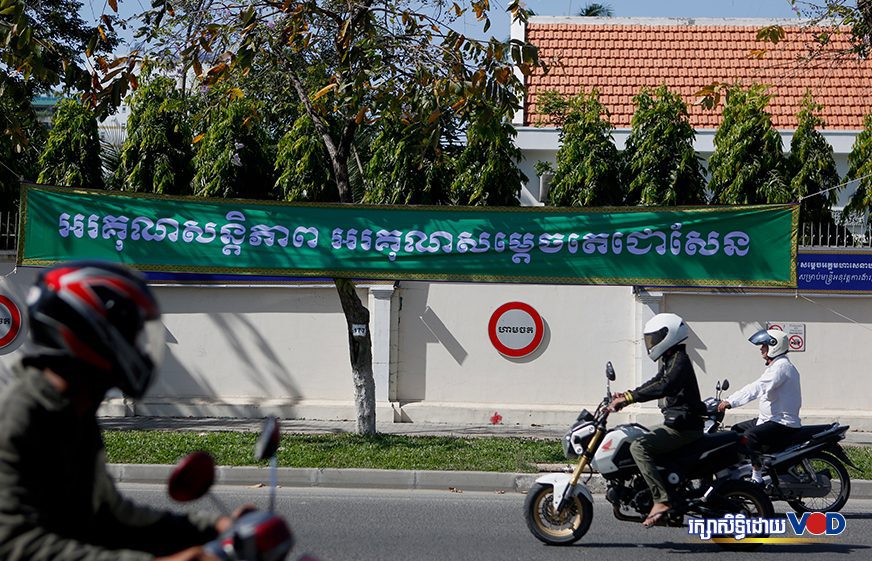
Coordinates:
x,y
750,500
840,481
556,528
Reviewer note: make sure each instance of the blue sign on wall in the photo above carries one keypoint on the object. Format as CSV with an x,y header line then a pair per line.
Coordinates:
x,y
834,272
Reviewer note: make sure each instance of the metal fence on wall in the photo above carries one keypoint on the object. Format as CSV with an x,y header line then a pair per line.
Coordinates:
x,y
8,230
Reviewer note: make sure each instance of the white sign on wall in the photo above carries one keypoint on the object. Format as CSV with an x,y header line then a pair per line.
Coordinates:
x,y
795,334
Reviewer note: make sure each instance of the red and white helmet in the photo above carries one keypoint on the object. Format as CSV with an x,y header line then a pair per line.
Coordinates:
x,y
102,315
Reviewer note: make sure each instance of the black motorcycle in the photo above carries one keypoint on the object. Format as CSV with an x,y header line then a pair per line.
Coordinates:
x,y
559,506
808,470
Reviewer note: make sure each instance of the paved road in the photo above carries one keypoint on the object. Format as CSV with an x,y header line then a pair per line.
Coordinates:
x,y
392,525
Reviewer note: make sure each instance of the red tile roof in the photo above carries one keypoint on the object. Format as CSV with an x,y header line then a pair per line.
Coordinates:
x,y
620,60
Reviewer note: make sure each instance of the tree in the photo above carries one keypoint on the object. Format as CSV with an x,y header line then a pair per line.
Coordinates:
x,y
408,164
42,46
156,156
661,165
597,10
72,152
303,167
747,164
588,163
860,170
19,153
371,52
812,167
487,167
233,159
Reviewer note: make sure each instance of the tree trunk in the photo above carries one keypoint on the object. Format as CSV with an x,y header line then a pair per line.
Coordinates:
x,y
360,347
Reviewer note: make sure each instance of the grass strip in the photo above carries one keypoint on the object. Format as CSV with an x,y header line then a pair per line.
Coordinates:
x,y
383,451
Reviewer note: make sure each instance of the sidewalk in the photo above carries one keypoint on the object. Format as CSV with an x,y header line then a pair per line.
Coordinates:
x,y
456,481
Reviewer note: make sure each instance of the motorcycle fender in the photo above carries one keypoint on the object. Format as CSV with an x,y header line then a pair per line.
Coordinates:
x,y
839,452
560,481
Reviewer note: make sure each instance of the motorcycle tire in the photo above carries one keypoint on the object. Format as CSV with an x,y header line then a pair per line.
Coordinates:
x,y
837,497
556,528
751,501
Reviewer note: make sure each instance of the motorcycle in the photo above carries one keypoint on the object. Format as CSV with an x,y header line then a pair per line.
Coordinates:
x,y
255,535
808,470
559,507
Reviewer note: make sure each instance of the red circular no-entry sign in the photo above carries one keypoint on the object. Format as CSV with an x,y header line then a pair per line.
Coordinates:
x,y
10,321
516,329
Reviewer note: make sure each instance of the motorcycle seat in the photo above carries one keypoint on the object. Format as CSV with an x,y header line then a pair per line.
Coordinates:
x,y
699,447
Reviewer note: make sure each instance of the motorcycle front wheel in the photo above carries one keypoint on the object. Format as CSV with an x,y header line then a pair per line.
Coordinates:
x,y
750,500
840,483
553,527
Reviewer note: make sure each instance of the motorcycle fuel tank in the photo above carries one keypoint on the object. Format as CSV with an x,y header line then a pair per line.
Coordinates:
x,y
615,446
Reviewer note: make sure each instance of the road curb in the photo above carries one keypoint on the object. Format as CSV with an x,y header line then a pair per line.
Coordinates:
x,y
458,481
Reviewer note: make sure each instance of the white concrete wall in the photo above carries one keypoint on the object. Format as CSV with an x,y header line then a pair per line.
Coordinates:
x,y
446,359
246,351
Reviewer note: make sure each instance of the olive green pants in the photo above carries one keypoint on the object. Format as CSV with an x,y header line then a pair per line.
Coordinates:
x,y
660,441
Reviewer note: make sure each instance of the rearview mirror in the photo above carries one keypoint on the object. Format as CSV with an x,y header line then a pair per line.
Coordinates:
x,y
610,371
192,477
726,385
268,442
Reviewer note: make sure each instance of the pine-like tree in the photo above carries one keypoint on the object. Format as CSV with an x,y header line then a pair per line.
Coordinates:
x,y
488,173
662,167
233,160
747,164
812,167
303,166
860,169
588,163
72,154
156,156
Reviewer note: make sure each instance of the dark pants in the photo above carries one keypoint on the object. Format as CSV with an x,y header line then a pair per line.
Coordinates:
x,y
763,437
659,442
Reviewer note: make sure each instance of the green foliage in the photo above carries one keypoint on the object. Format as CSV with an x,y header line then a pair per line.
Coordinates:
x,y
488,173
233,160
156,156
408,165
661,165
588,163
72,153
747,164
812,166
860,169
597,10
303,166
18,159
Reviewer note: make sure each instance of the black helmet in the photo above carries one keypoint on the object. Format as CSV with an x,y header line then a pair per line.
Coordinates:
x,y
100,315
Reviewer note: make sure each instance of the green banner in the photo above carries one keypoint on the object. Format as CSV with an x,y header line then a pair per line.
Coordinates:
x,y
699,246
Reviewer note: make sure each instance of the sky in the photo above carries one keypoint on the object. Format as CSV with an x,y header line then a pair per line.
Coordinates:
x,y
92,9
648,8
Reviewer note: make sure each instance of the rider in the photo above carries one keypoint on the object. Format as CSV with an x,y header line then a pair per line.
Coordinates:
x,y
95,326
676,387
780,398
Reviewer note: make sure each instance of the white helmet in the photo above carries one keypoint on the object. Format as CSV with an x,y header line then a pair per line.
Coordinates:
x,y
662,332
774,338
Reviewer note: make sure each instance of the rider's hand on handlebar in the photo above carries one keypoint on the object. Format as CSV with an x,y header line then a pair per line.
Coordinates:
x,y
226,522
723,406
190,554
618,402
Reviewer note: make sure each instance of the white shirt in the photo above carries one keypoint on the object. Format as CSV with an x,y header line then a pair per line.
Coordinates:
x,y
779,393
